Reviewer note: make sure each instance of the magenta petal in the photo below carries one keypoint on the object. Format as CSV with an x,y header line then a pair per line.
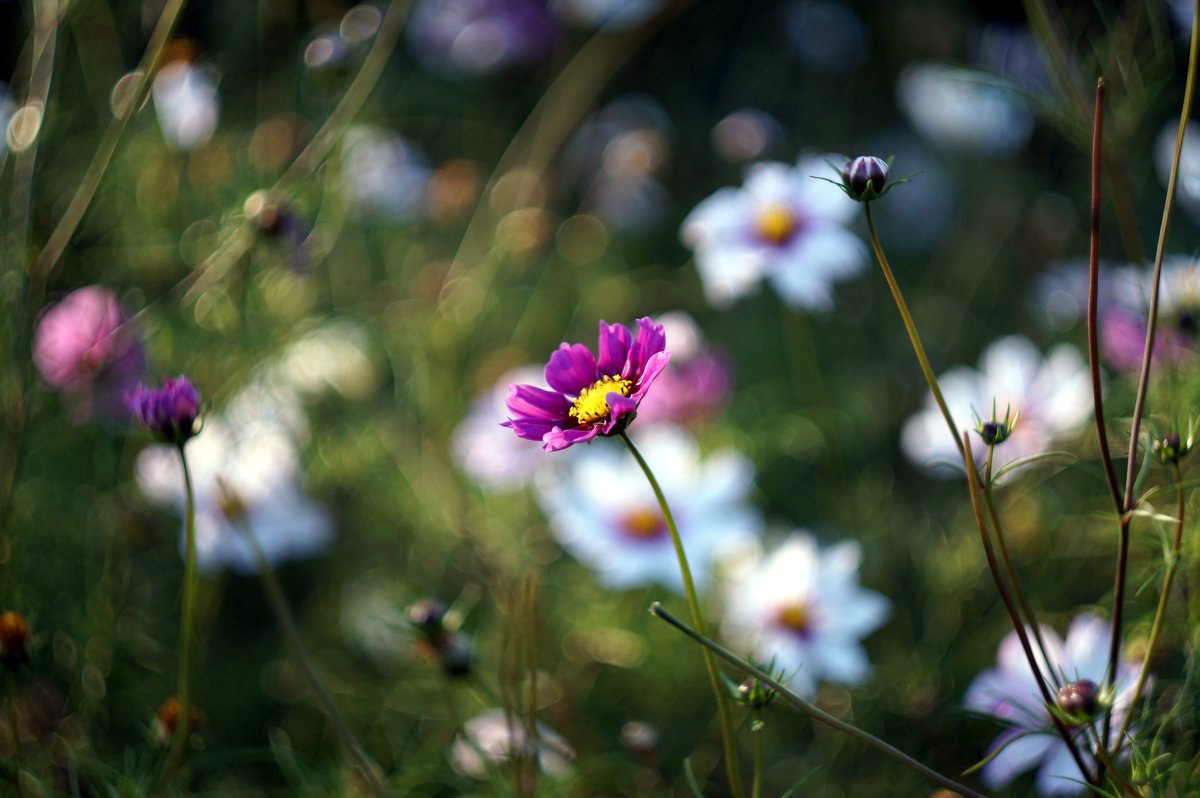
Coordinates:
x,y
558,439
529,401
650,373
529,429
618,407
571,368
651,339
614,348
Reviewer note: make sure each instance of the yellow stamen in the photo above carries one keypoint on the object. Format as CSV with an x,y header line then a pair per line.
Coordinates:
x,y
795,618
777,223
643,524
592,405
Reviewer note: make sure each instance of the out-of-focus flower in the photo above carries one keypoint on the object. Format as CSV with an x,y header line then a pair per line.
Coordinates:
x,y
963,110
590,396
487,452
249,453
87,349
473,37
1009,693
171,412
782,225
496,737
334,356
1012,52
1123,322
187,105
610,14
1053,396
7,107
277,220
167,718
747,134
1187,185
694,385
384,174
825,36
14,639
614,161
604,513
803,609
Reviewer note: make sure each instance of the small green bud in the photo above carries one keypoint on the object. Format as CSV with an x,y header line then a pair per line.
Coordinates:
x,y
755,694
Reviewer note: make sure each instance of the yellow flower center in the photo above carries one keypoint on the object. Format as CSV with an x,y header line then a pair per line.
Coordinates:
x,y
777,224
592,404
795,618
643,524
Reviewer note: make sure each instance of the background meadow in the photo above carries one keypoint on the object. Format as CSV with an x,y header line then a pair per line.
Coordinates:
x,y
348,225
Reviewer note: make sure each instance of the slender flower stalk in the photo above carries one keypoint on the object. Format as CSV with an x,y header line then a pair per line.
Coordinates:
x,y
910,327
1160,613
277,602
1144,380
756,729
689,588
811,710
1014,616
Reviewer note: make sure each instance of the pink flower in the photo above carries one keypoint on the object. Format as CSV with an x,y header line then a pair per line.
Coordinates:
x,y
590,396
86,348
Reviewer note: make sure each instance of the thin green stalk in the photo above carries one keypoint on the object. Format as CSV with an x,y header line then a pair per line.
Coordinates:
x,y
277,602
756,731
911,328
1160,613
1111,768
1139,404
1014,616
816,713
689,588
13,728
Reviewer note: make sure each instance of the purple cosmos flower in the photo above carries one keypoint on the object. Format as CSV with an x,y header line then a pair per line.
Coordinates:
x,y
590,396
170,412
87,349
1010,693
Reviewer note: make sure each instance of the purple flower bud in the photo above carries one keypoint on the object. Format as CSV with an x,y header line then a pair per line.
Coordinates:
x,y
865,176
427,616
1079,699
170,412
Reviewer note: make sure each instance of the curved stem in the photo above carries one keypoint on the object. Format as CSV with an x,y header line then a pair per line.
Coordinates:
x,y
277,602
1160,613
689,589
816,713
1014,616
1144,379
756,730
911,328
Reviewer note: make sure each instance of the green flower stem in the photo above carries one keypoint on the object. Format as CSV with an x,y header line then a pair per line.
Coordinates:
x,y
689,588
187,624
13,728
1139,404
1014,616
911,327
811,710
1111,768
278,605
1160,614
756,730
1009,569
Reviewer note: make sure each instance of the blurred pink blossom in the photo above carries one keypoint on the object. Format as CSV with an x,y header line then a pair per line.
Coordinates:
x,y
695,385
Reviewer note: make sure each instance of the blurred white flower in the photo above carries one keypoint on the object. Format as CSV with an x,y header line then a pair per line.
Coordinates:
x,y
1053,396
803,608
603,512
1187,185
333,356
782,225
490,454
1009,693
187,104
252,450
384,174
964,110
496,736
474,37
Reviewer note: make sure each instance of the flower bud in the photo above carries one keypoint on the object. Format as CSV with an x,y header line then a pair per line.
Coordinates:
x,y
994,431
755,694
864,177
1171,448
427,616
171,412
1079,699
14,639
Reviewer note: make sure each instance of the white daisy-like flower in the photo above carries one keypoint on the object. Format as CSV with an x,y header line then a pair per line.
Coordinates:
x,y
187,105
603,512
384,174
782,225
495,736
1009,693
802,609
252,450
1052,395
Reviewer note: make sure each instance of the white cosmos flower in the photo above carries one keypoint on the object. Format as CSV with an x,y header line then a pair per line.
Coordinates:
x,y
1009,693
187,105
964,110
803,608
1053,396
782,225
603,512
253,451
496,736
